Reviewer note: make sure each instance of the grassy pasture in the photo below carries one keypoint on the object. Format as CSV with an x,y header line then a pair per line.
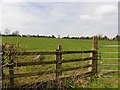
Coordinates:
x,y
45,44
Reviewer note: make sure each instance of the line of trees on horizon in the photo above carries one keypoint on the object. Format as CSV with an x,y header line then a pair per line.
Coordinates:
x,y
16,33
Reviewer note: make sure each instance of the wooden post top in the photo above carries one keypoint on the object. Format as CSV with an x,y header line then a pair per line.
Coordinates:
x,y
95,43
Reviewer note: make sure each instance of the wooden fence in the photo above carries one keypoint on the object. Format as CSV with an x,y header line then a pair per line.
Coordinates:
x,y
58,62
113,56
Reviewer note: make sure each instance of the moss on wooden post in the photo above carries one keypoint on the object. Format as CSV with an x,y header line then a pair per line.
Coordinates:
x,y
58,61
58,66
94,55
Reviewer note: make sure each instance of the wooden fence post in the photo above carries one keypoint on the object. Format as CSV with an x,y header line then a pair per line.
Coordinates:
x,y
94,54
11,71
58,61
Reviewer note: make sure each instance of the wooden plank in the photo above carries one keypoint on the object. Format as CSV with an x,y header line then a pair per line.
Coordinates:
x,y
110,58
47,62
110,76
52,52
44,72
76,76
76,60
109,46
109,64
34,53
110,53
110,71
54,80
77,52
34,63
31,74
78,67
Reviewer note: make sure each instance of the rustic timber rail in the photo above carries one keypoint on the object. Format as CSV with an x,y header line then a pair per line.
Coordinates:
x,y
58,62
113,56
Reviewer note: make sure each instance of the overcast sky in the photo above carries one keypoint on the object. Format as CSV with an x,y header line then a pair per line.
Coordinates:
x,y
61,18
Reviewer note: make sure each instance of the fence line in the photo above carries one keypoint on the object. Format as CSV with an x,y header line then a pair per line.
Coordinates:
x,y
45,62
51,52
58,62
103,58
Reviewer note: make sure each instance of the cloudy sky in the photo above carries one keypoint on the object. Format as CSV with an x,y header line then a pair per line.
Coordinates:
x,y
60,18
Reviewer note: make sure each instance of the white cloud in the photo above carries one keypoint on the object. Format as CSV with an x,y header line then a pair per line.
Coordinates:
x,y
54,13
60,0
74,19
85,17
101,13
106,10
26,18
14,18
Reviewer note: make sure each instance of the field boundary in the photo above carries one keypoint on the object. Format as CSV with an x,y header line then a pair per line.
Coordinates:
x,y
103,58
58,62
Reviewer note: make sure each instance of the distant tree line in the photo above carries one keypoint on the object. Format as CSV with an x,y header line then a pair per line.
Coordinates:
x,y
16,33
99,37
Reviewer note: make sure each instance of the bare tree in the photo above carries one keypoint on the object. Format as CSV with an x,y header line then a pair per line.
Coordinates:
x,y
7,31
15,33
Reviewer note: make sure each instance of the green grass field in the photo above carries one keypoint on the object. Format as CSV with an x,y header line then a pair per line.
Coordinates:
x,y
50,44
45,44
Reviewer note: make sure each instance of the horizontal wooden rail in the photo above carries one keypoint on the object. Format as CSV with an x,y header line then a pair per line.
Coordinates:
x,y
107,76
46,62
109,65
54,80
76,60
109,46
110,53
78,67
105,72
110,58
110,70
44,72
77,52
52,52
